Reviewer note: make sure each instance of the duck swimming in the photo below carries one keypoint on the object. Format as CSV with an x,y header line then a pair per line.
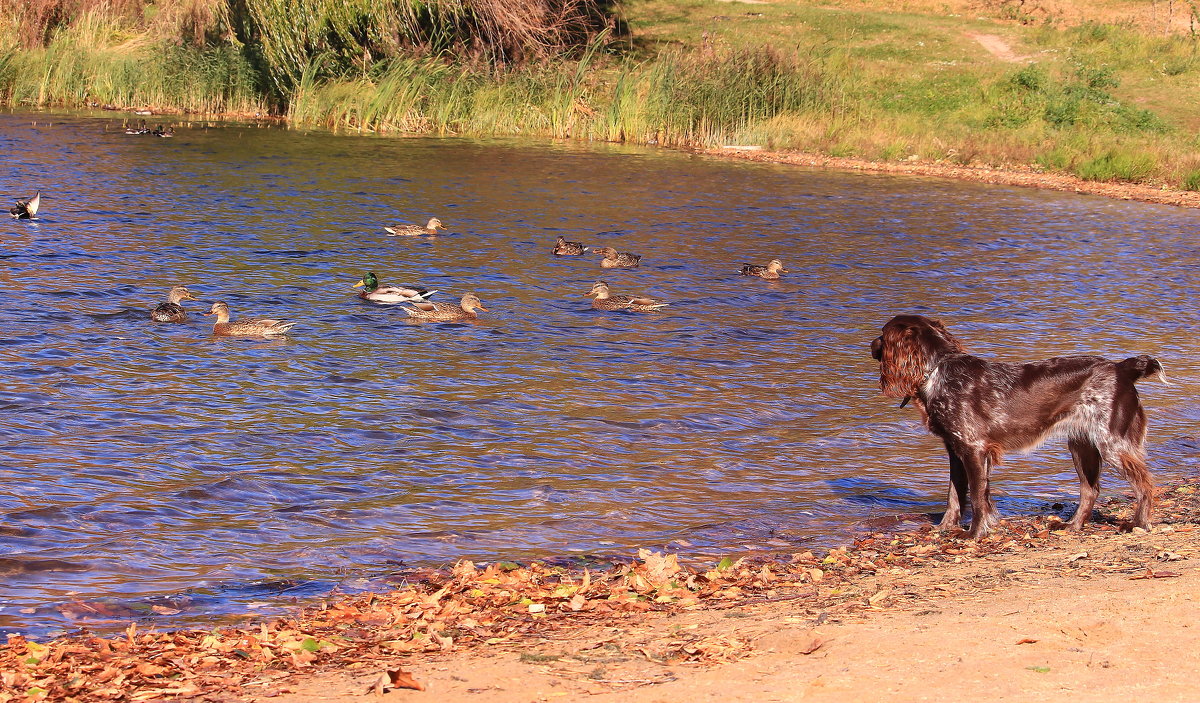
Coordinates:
x,y
430,227
446,312
26,209
390,294
603,300
564,248
617,260
245,328
770,272
172,311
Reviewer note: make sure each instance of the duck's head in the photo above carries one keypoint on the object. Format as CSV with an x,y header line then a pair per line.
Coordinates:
x,y
599,290
777,266
470,303
435,224
606,252
221,310
179,293
369,281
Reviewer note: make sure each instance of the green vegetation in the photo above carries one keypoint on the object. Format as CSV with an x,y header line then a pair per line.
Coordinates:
x,y
1100,94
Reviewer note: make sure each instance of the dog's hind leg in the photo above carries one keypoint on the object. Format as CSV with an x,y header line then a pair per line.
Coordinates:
x,y
1134,468
1087,464
978,468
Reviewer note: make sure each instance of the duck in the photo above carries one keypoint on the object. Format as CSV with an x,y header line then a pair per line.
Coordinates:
x,y
390,294
770,272
160,132
26,209
603,300
617,260
245,328
172,311
140,129
430,227
446,312
564,248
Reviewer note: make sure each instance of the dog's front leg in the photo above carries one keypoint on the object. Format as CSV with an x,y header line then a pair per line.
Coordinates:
x,y
957,494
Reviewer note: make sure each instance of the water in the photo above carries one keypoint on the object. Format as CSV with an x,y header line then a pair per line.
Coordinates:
x,y
148,464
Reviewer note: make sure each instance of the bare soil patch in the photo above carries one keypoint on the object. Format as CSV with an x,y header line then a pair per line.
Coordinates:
x,y
997,47
1015,175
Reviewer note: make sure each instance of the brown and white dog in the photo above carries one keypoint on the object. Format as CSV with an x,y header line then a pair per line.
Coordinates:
x,y
981,409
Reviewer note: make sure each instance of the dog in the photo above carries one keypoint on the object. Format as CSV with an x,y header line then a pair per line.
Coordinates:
x,y
981,409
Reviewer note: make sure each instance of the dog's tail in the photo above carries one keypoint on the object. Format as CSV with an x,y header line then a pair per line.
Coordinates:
x,y
1135,368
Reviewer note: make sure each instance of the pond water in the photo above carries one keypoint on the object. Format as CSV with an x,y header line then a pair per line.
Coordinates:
x,y
147,464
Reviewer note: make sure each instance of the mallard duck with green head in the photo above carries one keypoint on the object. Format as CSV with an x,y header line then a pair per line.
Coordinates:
x,y
770,272
618,260
446,312
430,227
602,299
245,328
26,209
564,248
172,311
372,290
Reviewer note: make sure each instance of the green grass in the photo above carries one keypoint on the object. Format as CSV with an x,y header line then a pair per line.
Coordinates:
x,y
1105,99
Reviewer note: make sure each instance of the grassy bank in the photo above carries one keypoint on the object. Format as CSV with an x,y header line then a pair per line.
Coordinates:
x,y
1099,90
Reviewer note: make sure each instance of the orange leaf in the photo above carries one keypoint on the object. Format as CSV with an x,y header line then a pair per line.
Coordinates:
x,y
811,643
399,678
1026,640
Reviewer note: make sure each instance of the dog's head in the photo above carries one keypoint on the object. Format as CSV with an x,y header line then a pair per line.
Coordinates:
x,y
907,350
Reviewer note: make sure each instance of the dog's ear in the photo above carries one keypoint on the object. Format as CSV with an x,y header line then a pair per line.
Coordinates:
x,y
877,349
903,359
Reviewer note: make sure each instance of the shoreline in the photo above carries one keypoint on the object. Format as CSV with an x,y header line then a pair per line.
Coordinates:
x,y
624,630
1011,175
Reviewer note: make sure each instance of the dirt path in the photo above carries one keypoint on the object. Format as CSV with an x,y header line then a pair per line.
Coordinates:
x,y
997,47
1002,628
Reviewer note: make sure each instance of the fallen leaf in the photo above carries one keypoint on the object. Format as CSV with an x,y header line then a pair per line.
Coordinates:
x,y
1152,574
811,642
1076,557
404,679
1026,640
394,678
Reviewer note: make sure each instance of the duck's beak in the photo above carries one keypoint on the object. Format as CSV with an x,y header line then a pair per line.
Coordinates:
x,y
784,271
588,294
191,297
360,283
483,308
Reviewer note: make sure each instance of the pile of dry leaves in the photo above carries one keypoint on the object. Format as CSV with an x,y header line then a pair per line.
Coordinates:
x,y
498,603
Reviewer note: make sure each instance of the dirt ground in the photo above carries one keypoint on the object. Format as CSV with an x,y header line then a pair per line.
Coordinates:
x,y
1012,174
1108,617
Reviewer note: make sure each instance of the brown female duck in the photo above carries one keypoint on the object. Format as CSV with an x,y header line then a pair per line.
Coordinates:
x,y
26,209
245,328
446,312
617,260
602,299
564,248
430,227
172,311
770,272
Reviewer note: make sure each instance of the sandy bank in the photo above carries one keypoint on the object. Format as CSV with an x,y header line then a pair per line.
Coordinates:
x,y
1031,610
1013,175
